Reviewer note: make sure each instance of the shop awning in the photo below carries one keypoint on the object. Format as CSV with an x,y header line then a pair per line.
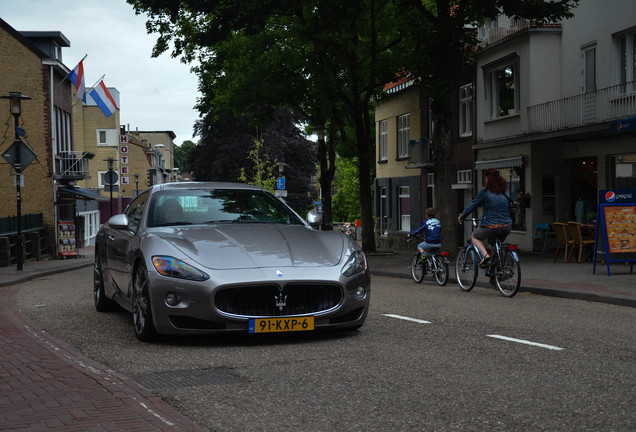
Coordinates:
x,y
499,163
624,125
79,193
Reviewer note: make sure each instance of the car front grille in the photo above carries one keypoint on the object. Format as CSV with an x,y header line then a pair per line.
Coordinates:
x,y
275,300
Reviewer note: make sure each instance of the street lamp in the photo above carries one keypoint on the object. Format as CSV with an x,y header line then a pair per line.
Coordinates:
x,y
15,108
111,163
136,184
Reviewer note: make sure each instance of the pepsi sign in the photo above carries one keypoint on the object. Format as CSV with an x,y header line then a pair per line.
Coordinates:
x,y
617,196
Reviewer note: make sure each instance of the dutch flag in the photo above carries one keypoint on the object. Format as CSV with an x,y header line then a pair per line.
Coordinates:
x,y
103,98
77,77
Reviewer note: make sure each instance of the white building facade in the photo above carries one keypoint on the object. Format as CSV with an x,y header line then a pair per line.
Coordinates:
x,y
545,99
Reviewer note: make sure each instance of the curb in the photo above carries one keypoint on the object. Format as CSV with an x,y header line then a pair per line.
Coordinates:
x,y
574,295
39,274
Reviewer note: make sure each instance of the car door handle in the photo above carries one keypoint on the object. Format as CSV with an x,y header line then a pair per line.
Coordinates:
x,y
111,238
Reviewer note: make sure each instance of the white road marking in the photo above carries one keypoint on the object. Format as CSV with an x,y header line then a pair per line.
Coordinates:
x,y
552,347
407,318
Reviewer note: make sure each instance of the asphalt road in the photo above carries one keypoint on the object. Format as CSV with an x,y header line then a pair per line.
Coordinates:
x,y
428,358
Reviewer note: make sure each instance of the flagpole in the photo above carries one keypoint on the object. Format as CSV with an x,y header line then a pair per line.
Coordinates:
x,y
94,85
66,76
97,82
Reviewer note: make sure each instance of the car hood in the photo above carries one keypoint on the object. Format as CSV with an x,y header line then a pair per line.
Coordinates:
x,y
235,246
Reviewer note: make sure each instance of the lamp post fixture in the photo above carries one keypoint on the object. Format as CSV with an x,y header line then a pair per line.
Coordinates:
x,y
111,163
136,184
15,108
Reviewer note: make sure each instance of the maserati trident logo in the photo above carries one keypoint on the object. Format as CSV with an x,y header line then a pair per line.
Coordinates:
x,y
281,299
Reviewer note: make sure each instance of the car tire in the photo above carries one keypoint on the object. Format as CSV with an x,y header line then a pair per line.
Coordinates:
x,y
141,309
102,303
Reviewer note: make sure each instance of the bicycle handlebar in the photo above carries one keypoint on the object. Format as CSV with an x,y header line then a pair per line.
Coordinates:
x,y
474,220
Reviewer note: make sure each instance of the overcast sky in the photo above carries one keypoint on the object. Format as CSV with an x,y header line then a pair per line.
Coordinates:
x,y
155,93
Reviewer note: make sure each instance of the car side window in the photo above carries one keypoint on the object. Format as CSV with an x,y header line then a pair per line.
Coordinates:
x,y
135,211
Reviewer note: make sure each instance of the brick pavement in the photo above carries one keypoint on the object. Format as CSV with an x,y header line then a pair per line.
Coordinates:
x,y
45,385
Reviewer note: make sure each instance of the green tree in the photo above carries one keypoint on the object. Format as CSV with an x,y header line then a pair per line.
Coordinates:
x,y
261,169
328,59
346,202
226,142
181,155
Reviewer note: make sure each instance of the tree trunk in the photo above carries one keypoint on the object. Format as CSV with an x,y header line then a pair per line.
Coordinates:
x,y
444,178
364,178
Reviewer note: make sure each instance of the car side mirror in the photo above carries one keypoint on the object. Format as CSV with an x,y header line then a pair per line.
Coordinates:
x,y
314,219
119,222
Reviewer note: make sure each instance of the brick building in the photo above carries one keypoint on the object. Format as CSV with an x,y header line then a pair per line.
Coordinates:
x,y
31,63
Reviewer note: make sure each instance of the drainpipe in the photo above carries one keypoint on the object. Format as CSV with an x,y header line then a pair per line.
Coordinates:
x,y
53,154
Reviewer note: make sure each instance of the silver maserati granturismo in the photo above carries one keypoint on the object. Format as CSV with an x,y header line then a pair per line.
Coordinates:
x,y
205,258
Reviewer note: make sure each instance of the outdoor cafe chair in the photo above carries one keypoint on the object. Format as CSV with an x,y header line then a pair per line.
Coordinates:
x,y
542,231
561,231
574,229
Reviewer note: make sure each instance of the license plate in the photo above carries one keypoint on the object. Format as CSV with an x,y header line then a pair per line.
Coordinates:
x,y
269,325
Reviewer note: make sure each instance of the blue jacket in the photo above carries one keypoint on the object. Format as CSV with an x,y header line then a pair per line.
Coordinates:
x,y
433,229
496,208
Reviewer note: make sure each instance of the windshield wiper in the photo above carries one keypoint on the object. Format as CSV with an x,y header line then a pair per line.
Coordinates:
x,y
175,223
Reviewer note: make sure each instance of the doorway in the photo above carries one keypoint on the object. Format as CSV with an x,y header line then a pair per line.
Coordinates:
x,y
583,187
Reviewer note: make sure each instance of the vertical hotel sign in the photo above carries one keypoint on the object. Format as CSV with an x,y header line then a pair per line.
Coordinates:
x,y
124,160
616,222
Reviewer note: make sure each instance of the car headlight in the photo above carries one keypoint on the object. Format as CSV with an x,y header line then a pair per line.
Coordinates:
x,y
356,263
172,267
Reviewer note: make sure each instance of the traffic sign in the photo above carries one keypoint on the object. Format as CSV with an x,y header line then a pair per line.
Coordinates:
x,y
110,177
281,193
281,183
26,155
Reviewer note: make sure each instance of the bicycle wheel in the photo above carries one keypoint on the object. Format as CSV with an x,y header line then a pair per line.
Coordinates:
x,y
466,269
441,272
417,268
508,274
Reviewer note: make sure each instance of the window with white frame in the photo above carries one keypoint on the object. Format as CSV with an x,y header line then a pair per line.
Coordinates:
x,y
430,180
63,130
107,137
502,88
588,55
403,136
466,110
383,140
626,59
464,176
404,197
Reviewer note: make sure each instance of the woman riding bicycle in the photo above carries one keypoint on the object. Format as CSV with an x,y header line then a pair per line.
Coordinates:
x,y
496,216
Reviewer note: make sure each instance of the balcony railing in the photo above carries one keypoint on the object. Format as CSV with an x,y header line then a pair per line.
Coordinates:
x,y
591,108
420,153
71,165
489,35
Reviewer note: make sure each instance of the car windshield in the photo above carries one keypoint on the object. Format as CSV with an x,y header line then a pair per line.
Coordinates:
x,y
201,206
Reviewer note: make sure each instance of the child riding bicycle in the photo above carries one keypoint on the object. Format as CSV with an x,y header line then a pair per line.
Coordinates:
x,y
433,233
